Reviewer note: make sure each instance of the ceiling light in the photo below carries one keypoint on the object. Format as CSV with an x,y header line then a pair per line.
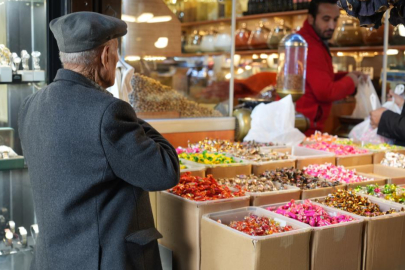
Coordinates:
x,y
228,76
132,58
340,54
162,42
128,18
240,70
159,19
392,52
401,29
263,56
144,17
255,56
248,67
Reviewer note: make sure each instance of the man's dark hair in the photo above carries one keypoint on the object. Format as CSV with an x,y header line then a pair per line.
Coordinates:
x,y
314,5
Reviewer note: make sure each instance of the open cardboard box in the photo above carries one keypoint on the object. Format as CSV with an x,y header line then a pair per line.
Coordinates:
x,y
179,221
277,148
306,156
277,196
260,167
384,238
377,180
393,175
224,170
379,155
337,246
193,167
226,248
320,192
355,160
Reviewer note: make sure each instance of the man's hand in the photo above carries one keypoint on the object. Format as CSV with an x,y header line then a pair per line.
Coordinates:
x,y
399,100
357,76
375,117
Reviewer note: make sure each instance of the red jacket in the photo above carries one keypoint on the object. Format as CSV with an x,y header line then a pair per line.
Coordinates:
x,y
322,86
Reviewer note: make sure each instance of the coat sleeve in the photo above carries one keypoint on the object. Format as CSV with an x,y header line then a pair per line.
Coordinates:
x,y
136,152
392,125
340,75
323,85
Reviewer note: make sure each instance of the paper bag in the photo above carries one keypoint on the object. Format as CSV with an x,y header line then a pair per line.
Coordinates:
x,y
275,122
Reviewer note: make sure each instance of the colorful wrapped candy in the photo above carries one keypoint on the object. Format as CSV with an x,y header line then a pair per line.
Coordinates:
x,y
338,149
182,166
203,189
208,158
310,213
351,202
321,137
334,173
296,177
394,160
382,147
258,226
389,192
250,183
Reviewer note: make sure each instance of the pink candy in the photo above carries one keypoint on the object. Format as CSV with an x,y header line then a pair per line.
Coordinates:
x,y
309,213
338,149
335,173
194,150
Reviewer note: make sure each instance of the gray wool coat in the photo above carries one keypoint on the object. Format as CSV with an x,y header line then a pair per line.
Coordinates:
x,y
91,162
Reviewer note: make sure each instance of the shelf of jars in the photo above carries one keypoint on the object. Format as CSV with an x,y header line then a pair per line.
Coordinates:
x,y
247,17
378,49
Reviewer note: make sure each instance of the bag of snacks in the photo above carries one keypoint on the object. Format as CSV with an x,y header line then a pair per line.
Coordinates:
x,y
363,105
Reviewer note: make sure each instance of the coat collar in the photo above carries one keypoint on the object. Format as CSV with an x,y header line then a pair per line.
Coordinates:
x,y
69,75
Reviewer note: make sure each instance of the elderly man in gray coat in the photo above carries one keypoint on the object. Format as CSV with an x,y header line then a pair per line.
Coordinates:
x,y
91,160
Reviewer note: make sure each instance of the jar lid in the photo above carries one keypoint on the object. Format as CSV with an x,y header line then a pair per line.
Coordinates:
x,y
293,40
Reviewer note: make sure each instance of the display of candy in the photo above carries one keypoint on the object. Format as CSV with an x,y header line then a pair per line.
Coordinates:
x,y
382,147
394,160
258,226
296,177
244,150
389,192
345,141
208,158
249,183
203,189
334,173
338,149
321,137
182,166
309,213
351,202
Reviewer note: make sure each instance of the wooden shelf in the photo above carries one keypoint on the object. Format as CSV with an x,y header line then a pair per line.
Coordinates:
x,y
248,17
332,49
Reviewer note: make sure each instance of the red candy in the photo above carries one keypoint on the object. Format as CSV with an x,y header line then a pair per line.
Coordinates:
x,y
203,189
309,213
258,226
338,149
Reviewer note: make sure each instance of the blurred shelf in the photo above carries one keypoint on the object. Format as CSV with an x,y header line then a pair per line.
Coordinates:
x,y
14,83
14,163
248,17
271,51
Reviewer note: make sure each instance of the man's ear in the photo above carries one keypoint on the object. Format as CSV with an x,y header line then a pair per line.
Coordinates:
x,y
311,19
104,57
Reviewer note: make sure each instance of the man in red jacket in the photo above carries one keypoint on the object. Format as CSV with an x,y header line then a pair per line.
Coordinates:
x,y
322,86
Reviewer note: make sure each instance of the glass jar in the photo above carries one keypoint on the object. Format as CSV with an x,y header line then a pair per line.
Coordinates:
x,y
258,38
375,37
348,32
193,42
242,38
223,40
398,35
292,66
208,42
278,33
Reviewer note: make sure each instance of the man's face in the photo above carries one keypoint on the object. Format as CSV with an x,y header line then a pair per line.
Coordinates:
x,y
326,20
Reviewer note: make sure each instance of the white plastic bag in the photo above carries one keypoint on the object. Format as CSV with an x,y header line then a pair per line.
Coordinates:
x,y
275,122
363,106
364,132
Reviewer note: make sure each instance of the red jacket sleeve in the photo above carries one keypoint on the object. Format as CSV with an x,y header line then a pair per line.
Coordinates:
x,y
340,75
323,84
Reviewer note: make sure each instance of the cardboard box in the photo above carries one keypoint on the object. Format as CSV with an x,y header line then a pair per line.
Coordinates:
x,y
224,170
378,180
379,156
260,167
193,167
306,156
320,192
355,160
269,197
280,149
225,248
179,221
384,238
393,175
338,246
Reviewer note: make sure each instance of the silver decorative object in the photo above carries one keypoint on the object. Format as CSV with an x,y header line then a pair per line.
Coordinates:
x,y
35,60
25,57
15,62
4,55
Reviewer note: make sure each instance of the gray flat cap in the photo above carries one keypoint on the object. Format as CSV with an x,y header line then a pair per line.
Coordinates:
x,y
82,31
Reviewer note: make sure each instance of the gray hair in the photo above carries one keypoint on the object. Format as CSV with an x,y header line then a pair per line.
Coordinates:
x,y
85,58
